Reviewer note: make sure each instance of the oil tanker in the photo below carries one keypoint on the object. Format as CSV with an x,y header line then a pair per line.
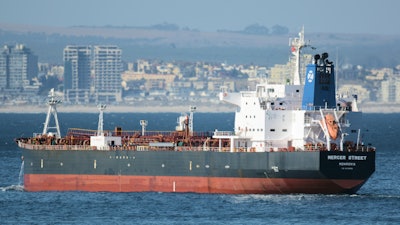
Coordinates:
x,y
299,137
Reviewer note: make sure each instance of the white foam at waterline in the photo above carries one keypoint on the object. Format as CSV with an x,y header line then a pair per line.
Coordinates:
x,y
14,187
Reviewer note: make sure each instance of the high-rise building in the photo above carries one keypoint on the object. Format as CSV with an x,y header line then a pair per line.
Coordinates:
x,y
92,73
107,73
390,91
77,71
18,65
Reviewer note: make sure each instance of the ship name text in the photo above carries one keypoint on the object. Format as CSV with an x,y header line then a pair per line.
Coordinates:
x,y
350,157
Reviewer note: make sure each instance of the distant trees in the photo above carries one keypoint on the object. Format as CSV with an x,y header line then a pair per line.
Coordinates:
x,y
257,29
252,29
279,30
165,26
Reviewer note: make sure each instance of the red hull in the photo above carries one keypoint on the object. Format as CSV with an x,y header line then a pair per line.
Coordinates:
x,y
223,185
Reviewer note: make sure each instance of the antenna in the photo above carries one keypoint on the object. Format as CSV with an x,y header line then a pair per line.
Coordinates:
x,y
52,102
337,70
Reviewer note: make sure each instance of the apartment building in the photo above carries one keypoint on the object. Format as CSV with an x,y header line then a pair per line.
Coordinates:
x,y
107,73
77,74
92,74
18,65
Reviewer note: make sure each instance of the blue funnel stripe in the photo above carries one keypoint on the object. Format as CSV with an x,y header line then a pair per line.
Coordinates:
x,y
319,87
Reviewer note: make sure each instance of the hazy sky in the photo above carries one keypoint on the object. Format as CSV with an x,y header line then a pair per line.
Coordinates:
x,y
340,16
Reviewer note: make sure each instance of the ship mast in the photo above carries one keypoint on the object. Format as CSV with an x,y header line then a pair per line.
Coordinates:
x,y
296,45
192,110
144,124
100,131
52,102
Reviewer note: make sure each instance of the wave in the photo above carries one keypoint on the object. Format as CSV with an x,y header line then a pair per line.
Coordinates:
x,y
295,198
275,198
15,187
379,196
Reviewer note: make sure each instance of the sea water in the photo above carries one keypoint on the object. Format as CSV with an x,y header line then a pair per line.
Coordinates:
x,y
377,202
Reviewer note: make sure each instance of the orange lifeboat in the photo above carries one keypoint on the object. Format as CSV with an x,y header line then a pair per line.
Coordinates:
x,y
331,125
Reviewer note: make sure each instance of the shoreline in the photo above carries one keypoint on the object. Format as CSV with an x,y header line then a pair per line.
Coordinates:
x,y
116,109
365,108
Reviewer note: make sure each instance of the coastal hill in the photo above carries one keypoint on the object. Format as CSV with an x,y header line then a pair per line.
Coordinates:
x,y
193,45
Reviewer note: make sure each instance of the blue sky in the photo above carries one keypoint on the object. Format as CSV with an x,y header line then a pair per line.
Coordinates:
x,y
339,16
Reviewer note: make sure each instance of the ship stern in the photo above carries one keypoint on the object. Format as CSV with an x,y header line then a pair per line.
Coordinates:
x,y
348,171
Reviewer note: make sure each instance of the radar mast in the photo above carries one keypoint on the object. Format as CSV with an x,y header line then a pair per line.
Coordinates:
x,y
296,45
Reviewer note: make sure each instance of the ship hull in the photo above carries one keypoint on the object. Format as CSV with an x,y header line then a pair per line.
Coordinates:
x,y
222,185
200,172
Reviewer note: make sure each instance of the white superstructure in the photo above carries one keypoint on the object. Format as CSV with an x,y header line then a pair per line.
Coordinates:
x,y
267,123
295,117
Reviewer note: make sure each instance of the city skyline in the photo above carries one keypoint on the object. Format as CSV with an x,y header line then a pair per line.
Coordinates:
x,y
167,83
341,16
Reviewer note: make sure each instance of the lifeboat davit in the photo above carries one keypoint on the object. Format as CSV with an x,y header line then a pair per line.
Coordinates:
x,y
332,126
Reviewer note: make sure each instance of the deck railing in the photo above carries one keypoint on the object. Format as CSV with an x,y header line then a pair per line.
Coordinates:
x,y
175,148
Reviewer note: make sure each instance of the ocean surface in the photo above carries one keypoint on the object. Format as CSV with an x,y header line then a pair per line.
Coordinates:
x,y
377,202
